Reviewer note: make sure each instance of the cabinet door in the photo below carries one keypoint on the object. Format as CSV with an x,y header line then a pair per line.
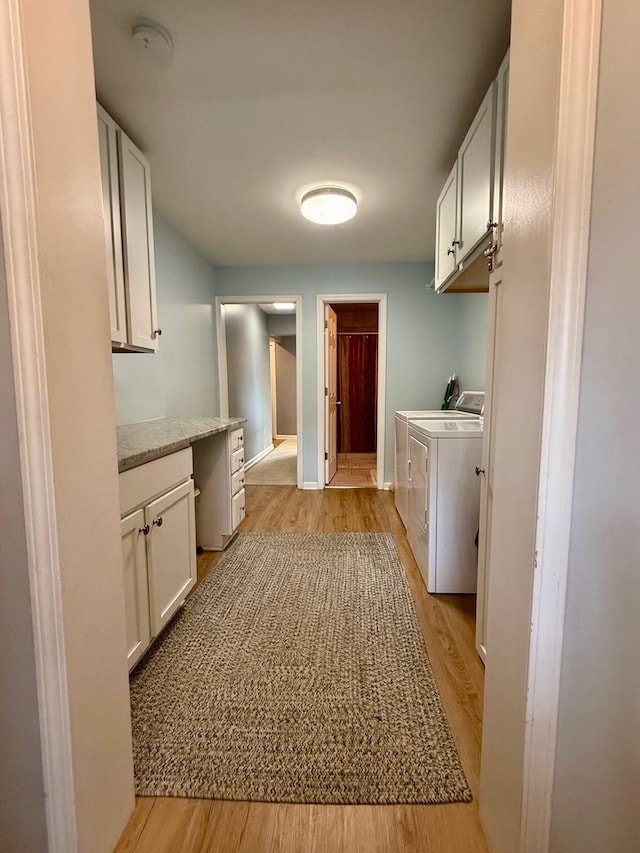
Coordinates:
x,y
502,98
446,231
136,596
475,179
137,243
172,552
112,232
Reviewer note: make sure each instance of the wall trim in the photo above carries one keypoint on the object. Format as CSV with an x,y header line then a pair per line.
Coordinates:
x,y
18,203
570,247
255,459
321,300
388,486
309,486
285,437
223,384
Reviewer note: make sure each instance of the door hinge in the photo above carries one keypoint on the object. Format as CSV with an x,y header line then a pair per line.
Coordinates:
x,y
326,391
326,324
326,457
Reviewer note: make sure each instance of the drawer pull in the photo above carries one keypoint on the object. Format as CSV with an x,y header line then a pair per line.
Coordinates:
x,y
144,530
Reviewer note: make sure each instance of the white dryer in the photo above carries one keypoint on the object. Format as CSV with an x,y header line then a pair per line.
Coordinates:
x,y
444,502
469,406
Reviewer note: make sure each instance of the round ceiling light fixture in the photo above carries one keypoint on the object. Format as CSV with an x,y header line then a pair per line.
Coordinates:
x,y
153,40
329,205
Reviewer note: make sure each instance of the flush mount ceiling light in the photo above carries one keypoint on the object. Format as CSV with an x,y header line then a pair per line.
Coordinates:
x,y
329,205
284,306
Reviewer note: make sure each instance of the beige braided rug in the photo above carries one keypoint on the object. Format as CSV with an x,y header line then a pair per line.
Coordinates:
x,y
296,673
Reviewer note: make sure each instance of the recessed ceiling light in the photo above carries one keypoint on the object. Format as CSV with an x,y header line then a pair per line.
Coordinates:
x,y
329,205
284,306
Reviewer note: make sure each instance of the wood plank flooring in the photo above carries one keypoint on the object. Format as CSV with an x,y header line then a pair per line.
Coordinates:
x,y
173,825
355,470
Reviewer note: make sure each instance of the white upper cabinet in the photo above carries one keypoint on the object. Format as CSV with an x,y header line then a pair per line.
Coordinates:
x,y
126,190
476,210
446,229
502,97
137,244
475,179
107,131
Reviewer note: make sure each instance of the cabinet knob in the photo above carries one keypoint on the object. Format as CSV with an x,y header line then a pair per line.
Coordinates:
x,y
157,333
456,243
451,251
491,225
479,470
158,521
144,530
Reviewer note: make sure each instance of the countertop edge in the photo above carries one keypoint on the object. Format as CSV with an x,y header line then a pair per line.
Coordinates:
x,y
137,458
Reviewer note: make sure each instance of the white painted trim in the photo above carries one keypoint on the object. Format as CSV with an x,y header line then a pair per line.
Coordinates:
x,y
255,459
309,486
570,246
381,299
272,381
388,487
18,193
285,437
232,299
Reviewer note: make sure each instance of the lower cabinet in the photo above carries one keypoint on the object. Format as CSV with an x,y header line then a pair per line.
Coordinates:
x,y
158,546
218,464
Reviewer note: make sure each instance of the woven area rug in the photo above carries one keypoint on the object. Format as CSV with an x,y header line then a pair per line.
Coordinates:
x,y
296,673
278,468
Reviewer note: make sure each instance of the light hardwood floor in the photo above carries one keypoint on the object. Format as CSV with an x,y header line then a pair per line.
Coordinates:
x,y
172,825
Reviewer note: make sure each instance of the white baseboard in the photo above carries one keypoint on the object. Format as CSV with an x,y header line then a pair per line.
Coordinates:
x,y
285,437
308,486
388,487
258,457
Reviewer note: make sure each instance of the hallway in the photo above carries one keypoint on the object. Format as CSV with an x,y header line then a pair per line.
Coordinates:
x,y
168,825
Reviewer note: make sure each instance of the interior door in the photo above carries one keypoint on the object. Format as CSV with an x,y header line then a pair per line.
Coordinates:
x,y
331,388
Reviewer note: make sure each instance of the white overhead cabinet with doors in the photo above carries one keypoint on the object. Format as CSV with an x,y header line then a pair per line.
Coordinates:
x,y
469,205
158,545
126,192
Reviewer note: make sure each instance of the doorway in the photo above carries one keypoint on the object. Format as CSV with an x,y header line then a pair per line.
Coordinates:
x,y
257,338
352,362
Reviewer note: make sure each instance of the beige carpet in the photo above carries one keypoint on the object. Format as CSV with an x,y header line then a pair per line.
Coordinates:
x,y
276,469
296,673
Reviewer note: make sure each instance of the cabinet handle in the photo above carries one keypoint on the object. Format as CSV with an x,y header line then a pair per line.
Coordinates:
x,y
491,225
158,521
456,243
157,333
451,251
479,470
144,530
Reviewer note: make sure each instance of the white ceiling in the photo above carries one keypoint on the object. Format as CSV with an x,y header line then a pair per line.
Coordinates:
x,y
262,98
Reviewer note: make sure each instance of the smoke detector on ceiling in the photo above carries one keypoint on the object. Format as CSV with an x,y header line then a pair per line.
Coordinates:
x,y
152,39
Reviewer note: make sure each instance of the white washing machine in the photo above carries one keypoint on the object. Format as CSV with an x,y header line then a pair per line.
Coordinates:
x,y
444,502
469,406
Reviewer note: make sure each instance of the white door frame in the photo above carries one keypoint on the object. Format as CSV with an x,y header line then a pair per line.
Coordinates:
x,y
575,148
223,378
18,201
323,299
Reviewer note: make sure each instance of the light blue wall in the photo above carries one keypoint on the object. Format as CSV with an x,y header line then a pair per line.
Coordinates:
x,y
423,333
472,330
248,374
182,377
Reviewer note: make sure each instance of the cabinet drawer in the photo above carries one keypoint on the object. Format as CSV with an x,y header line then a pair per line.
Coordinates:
x,y
237,509
236,439
237,460
237,481
140,485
